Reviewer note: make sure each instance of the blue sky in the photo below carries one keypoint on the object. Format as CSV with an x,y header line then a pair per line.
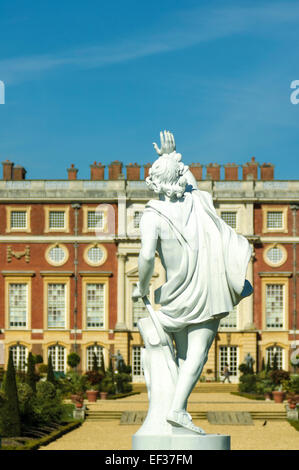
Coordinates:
x,y
97,81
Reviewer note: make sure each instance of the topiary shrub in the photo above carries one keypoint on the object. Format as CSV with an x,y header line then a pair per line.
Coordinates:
x,y
31,377
73,360
50,372
248,383
10,413
47,404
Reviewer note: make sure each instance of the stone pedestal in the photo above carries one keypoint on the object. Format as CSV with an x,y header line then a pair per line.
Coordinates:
x,y
181,439
160,372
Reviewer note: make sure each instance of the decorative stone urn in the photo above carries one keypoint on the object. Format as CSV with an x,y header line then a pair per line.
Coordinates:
x,y
103,395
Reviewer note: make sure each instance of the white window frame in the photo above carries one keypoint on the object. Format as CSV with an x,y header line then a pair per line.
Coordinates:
x,y
137,377
90,351
56,361
58,282
86,284
19,354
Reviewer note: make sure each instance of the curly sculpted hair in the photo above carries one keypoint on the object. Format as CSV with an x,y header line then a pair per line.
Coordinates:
x,y
166,176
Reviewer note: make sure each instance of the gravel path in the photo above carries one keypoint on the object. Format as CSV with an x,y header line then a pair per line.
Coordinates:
x,y
110,435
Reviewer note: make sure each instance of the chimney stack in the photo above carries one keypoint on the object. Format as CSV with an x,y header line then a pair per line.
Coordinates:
x,y
213,171
18,173
146,167
72,172
115,169
231,171
97,171
133,172
267,171
250,170
196,170
7,170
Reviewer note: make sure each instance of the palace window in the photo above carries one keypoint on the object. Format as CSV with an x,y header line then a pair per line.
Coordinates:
x,y
18,305
271,352
57,255
56,305
56,219
230,217
228,355
275,301
95,254
139,309
95,219
91,351
95,305
137,370
19,355
231,320
136,218
275,219
18,219
58,357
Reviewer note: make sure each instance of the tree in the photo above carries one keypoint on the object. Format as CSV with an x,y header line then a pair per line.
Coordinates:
x,y
50,373
73,360
11,422
102,366
95,366
263,364
31,376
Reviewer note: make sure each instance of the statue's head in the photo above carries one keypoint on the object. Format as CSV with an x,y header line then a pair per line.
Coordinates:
x,y
166,176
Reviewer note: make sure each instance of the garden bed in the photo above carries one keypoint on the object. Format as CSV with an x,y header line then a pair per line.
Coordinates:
x,y
251,396
121,395
37,437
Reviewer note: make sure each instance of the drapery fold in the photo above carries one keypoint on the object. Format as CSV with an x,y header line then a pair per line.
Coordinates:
x,y
210,276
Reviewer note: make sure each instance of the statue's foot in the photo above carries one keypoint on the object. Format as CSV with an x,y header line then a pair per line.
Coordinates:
x,y
181,418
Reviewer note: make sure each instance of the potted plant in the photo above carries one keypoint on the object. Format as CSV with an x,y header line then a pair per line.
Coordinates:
x,y
278,377
209,372
73,360
94,378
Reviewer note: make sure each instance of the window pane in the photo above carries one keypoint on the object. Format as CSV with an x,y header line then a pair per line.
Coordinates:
x,y
95,219
56,219
18,300
91,350
228,355
137,370
230,218
274,219
139,309
274,305
19,355
56,305
270,353
56,254
95,307
275,255
57,354
230,321
95,254
18,219
137,218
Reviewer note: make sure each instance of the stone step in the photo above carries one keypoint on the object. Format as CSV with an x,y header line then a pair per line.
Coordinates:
x,y
116,415
204,387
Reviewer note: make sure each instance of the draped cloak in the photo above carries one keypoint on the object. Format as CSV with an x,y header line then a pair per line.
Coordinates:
x,y
210,275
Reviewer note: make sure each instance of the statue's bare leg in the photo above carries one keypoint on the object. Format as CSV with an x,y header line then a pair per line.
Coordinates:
x,y
193,344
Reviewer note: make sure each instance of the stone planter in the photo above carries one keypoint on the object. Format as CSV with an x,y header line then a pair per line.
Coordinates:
x,y
278,396
92,395
103,395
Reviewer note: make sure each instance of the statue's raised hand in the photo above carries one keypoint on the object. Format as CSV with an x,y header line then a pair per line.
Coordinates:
x,y
167,143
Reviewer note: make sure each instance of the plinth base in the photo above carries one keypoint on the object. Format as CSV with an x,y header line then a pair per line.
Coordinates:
x,y
181,439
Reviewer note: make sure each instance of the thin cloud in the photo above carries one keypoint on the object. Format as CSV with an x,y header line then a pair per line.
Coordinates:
x,y
191,28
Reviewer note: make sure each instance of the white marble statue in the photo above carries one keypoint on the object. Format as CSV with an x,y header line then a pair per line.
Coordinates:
x,y
205,262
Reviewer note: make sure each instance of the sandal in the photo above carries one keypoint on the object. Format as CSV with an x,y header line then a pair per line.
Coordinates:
x,y
181,418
